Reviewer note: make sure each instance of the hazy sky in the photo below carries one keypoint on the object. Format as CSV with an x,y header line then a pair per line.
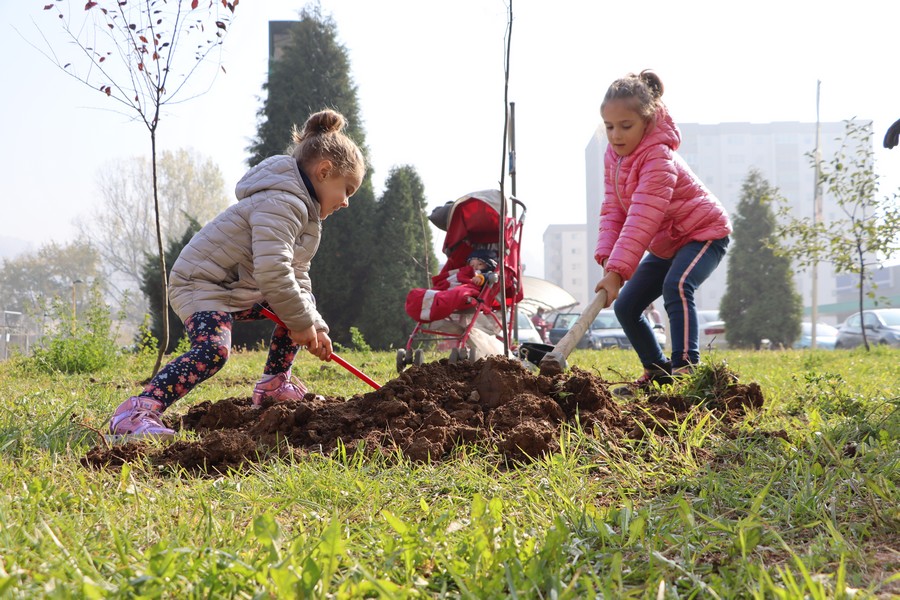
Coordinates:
x,y
430,82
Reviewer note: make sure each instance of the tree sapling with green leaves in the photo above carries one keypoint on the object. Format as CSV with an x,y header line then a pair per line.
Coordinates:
x,y
130,52
868,232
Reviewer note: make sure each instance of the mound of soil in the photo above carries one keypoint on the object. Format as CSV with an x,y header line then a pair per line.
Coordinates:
x,y
424,413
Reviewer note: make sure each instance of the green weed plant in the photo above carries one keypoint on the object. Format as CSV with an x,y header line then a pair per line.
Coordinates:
x,y
75,343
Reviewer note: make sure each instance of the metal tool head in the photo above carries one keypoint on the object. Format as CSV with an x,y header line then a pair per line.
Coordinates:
x,y
553,363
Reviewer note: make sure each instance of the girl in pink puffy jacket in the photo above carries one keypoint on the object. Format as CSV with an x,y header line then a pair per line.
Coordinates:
x,y
662,233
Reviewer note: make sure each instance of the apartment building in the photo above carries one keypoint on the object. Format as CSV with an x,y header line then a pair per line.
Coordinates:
x,y
566,257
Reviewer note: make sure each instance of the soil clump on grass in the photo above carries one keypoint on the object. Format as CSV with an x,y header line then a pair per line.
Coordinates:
x,y
425,413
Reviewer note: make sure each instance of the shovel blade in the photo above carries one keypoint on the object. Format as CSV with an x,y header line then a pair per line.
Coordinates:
x,y
533,352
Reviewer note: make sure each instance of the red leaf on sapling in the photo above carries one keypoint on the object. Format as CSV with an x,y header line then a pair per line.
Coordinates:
x,y
90,5
48,6
220,24
194,4
142,38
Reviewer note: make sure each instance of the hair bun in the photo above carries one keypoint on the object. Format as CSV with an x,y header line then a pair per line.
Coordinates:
x,y
653,82
322,122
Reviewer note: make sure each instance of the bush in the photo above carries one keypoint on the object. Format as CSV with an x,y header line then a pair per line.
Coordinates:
x,y
78,346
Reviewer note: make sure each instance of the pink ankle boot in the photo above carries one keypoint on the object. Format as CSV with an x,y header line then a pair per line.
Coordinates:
x,y
139,417
278,387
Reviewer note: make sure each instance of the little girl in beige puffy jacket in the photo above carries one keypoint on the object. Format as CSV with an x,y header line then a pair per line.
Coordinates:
x,y
255,254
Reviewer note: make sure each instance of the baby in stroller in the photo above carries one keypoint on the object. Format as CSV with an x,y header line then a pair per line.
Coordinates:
x,y
453,289
470,300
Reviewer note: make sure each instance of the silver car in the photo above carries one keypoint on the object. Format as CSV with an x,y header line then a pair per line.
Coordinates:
x,y
882,326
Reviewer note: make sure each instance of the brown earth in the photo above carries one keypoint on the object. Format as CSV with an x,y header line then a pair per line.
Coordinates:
x,y
425,413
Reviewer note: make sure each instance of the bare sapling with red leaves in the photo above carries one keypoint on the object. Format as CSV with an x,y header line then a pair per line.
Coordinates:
x,y
141,54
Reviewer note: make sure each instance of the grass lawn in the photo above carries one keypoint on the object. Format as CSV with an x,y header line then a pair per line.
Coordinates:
x,y
801,501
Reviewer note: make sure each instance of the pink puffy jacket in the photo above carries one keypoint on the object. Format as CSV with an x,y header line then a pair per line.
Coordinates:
x,y
654,202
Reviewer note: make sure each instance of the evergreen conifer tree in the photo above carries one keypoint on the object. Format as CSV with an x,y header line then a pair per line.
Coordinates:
x,y
760,301
312,73
403,260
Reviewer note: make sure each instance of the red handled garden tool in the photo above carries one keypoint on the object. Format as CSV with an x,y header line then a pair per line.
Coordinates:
x,y
268,313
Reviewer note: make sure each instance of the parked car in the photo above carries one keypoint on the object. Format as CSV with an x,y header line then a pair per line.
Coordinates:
x,y
712,329
527,331
604,332
826,336
882,326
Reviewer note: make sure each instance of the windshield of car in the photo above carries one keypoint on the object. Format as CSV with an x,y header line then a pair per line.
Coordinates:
x,y
565,320
523,321
891,318
705,316
606,321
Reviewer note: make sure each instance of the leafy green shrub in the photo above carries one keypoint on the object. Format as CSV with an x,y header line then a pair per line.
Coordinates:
x,y
75,345
358,341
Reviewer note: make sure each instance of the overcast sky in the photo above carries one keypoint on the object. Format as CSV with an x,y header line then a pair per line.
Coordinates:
x,y
430,82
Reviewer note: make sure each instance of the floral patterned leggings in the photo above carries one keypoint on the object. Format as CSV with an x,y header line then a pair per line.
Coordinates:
x,y
210,336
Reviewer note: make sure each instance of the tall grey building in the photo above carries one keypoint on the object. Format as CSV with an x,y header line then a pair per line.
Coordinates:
x,y
566,258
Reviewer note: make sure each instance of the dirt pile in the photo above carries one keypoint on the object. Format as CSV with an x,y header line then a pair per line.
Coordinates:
x,y
424,413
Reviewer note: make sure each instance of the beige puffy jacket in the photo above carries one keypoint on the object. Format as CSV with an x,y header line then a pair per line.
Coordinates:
x,y
256,250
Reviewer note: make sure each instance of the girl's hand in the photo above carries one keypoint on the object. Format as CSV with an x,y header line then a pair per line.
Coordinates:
x,y
306,337
612,283
323,349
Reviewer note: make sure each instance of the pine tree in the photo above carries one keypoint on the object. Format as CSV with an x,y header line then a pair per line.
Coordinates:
x,y
760,301
312,73
404,260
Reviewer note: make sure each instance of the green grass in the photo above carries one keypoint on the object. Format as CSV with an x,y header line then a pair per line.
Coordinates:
x,y
800,502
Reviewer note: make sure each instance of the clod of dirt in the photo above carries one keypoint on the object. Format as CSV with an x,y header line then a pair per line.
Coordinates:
x,y
425,413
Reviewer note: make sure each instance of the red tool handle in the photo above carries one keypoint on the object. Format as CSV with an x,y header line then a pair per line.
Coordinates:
x,y
268,313
354,370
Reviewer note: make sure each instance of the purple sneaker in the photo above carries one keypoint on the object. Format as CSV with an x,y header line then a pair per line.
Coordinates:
x,y
139,417
279,388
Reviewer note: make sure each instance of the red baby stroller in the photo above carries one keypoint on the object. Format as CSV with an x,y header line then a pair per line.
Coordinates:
x,y
457,310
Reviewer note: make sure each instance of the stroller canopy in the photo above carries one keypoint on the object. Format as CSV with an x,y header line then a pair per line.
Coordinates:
x,y
475,217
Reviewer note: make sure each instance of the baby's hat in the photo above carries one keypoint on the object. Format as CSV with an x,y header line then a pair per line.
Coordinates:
x,y
487,255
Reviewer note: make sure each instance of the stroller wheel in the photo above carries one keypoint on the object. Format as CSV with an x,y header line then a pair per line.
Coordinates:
x,y
401,360
418,357
454,356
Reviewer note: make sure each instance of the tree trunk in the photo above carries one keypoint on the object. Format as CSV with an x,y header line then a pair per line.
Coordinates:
x,y
862,283
163,280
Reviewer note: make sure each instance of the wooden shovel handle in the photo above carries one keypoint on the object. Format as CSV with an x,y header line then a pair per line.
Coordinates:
x,y
574,335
